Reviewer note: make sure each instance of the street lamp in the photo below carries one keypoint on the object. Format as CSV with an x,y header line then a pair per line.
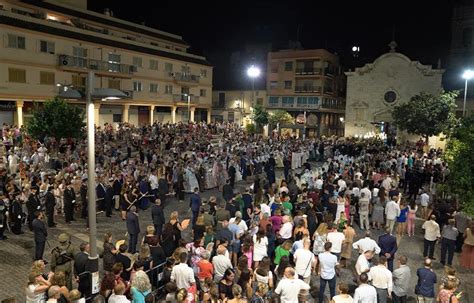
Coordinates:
x,y
188,96
467,75
100,94
253,72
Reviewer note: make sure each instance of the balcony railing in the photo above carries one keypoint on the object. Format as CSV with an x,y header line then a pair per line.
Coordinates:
x,y
183,98
185,77
329,71
92,64
308,71
274,104
307,89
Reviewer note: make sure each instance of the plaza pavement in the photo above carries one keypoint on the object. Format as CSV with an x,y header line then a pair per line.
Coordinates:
x,y
16,253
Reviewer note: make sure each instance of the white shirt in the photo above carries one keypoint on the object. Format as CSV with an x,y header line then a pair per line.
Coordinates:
x,y
367,193
431,230
362,264
424,199
318,184
392,210
303,261
118,299
183,275
356,191
286,230
289,289
365,294
153,182
221,263
242,224
381,277
266,209
387,184
327,263
342,184
366,244
336,238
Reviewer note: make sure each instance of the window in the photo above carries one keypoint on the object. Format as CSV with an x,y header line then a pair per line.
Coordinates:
x,y
17,75
117,118
81,54
153,88
186,69
221,100
467,36
288,66
289,101
114,62
47,78
137,86
137,61
274,67
168,67
46,47
259,101
78,81
273,100
313,100
302,100
154,64
288,84
230,116
168,89
273,84
15,41
115,58
204,73
202,93
114,83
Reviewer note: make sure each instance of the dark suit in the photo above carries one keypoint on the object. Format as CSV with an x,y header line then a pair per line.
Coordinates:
x,y
80,264
17,215
195,205
50,202
227,192
100,192
40,235
133,229
231,171
69,201
108,201
158,217
84,201
163,189
33,204
388,244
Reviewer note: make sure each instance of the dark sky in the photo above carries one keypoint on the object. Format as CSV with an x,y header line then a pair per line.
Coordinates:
x,y
422,28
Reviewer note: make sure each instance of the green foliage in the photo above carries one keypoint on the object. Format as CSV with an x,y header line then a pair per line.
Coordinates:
x,y
426,114
260,117
282,117
459,155
250,128
56,119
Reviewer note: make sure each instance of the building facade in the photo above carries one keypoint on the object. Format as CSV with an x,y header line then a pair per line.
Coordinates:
x,y
374,89
310,85
47,45
235,105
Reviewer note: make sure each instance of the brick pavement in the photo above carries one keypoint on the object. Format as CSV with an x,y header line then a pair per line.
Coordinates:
x,y
16,253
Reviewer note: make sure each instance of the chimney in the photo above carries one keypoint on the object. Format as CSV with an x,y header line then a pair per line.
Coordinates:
x,y
107,11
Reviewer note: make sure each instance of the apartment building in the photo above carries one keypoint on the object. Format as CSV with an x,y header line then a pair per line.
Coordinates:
x,y
236,105
49,45
310,85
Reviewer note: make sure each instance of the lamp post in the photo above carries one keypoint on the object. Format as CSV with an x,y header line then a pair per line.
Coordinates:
x,y
467,75
188,97
253,72
103,94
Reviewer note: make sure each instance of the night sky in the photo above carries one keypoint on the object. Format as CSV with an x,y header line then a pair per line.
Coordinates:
x,y
218,28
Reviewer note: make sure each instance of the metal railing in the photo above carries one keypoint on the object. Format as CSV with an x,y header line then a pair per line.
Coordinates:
x,y
98,65
185,77
183,98
308,71
307,89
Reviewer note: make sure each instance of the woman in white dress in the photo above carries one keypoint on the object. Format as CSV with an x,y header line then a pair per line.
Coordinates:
x,y
341,206
37,288
260,244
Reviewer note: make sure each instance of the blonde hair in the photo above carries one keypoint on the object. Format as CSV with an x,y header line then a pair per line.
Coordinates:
x,y
150,229
144,251
174,215
181,295
59,279
74,294
141,281
38,266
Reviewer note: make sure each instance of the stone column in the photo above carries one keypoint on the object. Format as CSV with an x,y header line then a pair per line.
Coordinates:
x,y
209,111
191,116
126,107
173,114
152,110
97,114
19,112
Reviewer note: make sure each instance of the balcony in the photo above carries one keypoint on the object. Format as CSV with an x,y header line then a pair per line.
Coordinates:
x,y
67,62
183,98
308,71
185,77
307,89
329,71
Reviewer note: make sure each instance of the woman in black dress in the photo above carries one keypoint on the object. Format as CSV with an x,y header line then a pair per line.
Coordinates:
x,y
225,285
109,253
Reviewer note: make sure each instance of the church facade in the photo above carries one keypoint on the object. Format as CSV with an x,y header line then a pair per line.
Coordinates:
x,y
374,89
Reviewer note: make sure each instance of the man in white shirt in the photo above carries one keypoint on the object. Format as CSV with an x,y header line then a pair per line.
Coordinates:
x,y
342,184
365,293
387,183
241,224
366,191
327,267
305,262
366,244
424,202
392,211
286,230
182,274
336,238
153,179
432,234
362,264
364,211
381,279
290,287
319,183
118,295
220,263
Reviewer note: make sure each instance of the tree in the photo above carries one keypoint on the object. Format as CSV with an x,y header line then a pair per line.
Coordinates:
x,y
56,119
282,117
459,155
426,114
260,117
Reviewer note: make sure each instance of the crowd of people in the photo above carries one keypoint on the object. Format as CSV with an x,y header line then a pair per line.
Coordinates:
x,y
265,239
